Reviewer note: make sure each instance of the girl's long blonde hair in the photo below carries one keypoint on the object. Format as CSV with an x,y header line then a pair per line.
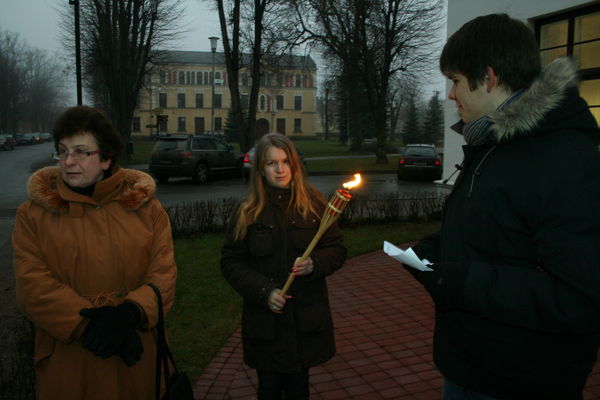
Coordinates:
x,y
302,192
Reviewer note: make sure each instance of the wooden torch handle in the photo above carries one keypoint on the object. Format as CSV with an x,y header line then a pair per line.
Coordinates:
x,y
304,256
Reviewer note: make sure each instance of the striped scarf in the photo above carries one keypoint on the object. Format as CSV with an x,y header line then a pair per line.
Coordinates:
x,y
478,132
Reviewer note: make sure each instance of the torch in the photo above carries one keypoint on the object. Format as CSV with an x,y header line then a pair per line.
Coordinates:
x,y
335,207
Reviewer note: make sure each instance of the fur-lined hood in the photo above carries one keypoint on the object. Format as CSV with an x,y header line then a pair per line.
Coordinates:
x,y
545,94
130,188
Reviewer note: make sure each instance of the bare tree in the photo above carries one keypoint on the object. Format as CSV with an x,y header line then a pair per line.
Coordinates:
x,y
118,38
44,89
374,41
401,90
11,81
254,39
31,83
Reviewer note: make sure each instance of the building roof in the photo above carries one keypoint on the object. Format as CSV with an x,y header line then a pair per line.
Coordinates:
x,y
180,57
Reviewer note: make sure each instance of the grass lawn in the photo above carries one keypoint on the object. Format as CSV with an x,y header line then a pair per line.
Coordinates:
x,y
351,165
321,148
310,148
207,310
141,152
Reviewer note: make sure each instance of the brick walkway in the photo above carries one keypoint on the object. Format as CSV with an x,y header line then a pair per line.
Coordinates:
x,y
383,322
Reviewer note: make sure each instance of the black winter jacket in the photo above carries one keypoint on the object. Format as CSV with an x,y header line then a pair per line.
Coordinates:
x,y
520,246
302,336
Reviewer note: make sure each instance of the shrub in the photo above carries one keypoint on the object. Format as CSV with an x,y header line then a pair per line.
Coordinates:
x,y
211,216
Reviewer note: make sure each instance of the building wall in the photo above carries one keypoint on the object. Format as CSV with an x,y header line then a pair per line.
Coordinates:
x,y
462,11
149,104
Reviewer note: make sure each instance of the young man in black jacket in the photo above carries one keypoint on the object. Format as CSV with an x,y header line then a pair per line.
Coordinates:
x,y
516,280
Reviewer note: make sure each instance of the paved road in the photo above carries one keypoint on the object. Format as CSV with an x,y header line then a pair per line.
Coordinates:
x,y
16,166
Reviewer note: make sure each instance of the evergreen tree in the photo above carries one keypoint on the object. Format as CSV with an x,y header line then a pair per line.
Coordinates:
x,y
433,127
231,130
411,132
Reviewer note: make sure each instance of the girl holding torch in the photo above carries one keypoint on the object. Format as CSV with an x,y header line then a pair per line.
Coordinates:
x,y
283,336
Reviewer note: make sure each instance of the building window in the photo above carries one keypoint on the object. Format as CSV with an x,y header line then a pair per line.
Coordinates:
x,y
181,124
575,33
262,102
181,78
162,121
590,91
135,124
162,100
279,102
280,80
180,100
297,102
297,125
244,79
199,100
206,80
281,125
218,124
245,100
198,78
188,79
298,81
218,80
218,100
161,77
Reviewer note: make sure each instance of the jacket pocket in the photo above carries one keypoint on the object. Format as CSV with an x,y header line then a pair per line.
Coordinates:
x,y
303,232
313,318
44,346
258,323
260,239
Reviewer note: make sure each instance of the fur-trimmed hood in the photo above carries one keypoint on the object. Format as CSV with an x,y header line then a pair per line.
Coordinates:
x,y
525,113
130,188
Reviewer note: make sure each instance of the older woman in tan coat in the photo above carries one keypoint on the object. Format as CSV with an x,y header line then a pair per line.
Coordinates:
x,y
86,245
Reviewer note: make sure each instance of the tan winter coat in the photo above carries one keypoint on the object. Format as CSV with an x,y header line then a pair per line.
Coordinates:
x,y
73,251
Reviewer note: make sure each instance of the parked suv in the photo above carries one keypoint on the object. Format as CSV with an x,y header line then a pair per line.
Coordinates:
x,y
420,161
195,156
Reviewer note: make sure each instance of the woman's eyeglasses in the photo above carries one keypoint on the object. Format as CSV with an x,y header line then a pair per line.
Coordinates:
x,y
77,154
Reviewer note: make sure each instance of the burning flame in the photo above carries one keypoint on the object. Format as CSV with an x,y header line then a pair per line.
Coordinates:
x,y
352,184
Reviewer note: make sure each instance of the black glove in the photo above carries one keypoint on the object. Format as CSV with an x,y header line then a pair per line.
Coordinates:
x,y
445,283
131,349
109,327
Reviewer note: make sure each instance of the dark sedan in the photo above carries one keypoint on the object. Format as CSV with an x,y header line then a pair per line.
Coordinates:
x,y
420,162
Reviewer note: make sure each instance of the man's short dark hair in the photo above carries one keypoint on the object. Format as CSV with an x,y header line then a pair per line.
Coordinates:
x,y
498,41
80,119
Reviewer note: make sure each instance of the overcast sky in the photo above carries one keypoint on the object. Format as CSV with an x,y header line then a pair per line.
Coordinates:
x,y
36,21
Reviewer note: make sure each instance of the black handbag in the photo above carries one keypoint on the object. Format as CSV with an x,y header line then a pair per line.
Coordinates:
x,y
178,386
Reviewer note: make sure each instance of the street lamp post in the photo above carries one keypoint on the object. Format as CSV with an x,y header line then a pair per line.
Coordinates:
x,y
213,48
75,4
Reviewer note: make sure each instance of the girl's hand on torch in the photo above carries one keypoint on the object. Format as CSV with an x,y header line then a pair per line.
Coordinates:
x,y
277,302
303,268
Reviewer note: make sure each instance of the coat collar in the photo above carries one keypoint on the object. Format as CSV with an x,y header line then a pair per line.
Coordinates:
x,y
526,112
130,188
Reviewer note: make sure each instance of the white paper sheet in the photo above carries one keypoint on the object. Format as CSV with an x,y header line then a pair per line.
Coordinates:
x,y
408,257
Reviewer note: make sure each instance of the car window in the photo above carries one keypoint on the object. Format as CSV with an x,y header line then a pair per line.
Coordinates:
x,y
203,144
221,146
419,152
170,145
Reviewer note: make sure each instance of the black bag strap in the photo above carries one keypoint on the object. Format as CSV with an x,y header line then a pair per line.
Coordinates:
x,y
163,353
